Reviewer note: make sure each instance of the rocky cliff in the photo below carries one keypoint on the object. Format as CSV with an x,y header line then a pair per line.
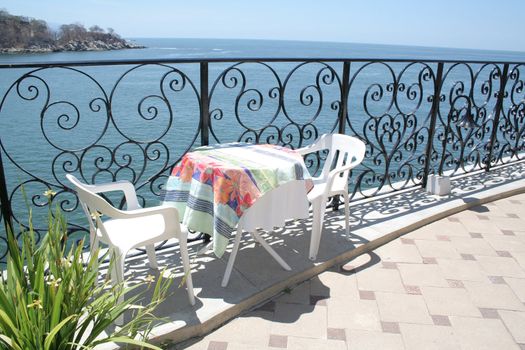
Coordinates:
x,y
20,34
74,45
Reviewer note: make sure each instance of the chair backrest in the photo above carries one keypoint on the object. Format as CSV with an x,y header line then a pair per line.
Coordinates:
x,y
343,150
93,206
287,201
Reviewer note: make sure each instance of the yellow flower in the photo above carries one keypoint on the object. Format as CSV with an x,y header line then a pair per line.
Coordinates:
x,y
37,304
149,279
65,262
53,282
50,193
95,215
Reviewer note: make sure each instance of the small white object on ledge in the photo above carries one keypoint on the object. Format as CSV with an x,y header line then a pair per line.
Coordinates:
x,y
439,185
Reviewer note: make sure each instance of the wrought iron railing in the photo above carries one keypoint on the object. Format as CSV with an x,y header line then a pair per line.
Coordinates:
x,y
134,120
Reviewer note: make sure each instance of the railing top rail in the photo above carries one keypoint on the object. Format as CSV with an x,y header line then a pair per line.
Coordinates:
x,y
240,59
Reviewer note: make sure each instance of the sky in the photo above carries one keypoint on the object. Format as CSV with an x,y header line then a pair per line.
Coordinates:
x,y
471,24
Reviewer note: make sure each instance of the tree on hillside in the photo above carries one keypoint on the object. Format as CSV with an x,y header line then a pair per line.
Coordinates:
x,y
96,29
20,33
111,32
72,32
40,32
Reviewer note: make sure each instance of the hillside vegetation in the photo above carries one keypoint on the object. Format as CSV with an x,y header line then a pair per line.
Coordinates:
x,y
24,34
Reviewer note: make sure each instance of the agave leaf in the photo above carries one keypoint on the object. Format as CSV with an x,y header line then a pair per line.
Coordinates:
x,y
51,336
101,323
38,281
9,342
22,313
6,303
7,323
16,263
84,324
57,306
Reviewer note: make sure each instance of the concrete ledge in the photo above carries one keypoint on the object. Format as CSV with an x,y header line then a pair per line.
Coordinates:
x,y
374,221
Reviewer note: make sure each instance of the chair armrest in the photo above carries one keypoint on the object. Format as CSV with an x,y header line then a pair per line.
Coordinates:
x,y
160,209
335,172
314,147
170,214
124,186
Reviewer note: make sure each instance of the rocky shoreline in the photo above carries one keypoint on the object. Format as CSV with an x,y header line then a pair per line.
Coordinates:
x,y
75,45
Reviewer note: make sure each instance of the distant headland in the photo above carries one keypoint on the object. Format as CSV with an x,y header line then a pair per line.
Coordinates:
x,y
28,35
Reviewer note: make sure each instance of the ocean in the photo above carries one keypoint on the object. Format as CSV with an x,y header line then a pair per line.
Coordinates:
x,y
167,48
53,115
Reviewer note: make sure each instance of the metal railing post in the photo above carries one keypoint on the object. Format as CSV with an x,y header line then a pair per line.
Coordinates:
x,y
433,117
4,198
343,111
344,96
497,112
204,105
204,120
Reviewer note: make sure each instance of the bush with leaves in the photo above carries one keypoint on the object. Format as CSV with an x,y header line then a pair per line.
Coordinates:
x,y
50,297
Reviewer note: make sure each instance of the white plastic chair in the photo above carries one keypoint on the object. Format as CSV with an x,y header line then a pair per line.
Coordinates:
x,y
269,211
344,153
131,228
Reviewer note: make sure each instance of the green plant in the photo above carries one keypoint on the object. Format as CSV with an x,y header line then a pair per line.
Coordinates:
x,y
50,297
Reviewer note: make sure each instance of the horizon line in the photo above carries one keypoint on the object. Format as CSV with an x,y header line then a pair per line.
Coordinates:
x,y
324,42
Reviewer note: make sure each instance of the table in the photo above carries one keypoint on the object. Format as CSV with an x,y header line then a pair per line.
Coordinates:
x,y
213,186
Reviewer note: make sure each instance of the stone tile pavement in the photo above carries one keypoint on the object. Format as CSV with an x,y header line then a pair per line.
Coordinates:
x,y
457,283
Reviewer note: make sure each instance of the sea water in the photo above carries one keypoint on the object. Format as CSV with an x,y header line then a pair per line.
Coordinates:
x,y
168,48
159,104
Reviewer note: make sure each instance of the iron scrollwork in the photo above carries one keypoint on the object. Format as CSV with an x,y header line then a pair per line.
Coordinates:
x,y
510,143
392,116
279,110
135,121
93,132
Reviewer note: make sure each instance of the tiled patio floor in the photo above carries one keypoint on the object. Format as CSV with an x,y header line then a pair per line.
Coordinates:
x,y
458,283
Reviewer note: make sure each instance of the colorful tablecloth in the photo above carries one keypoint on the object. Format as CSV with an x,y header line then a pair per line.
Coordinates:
x,y
213,186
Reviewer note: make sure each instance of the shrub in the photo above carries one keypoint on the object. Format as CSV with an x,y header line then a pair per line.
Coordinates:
x,y
50,297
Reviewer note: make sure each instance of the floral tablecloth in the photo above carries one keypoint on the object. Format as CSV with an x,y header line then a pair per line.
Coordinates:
x,y
212,186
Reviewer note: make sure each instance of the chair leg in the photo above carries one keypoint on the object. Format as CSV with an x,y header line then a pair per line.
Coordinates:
x,y
150,249
93,249
117,277
318,208
271,251
183,246
347,215
117,273
93,241
233,255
